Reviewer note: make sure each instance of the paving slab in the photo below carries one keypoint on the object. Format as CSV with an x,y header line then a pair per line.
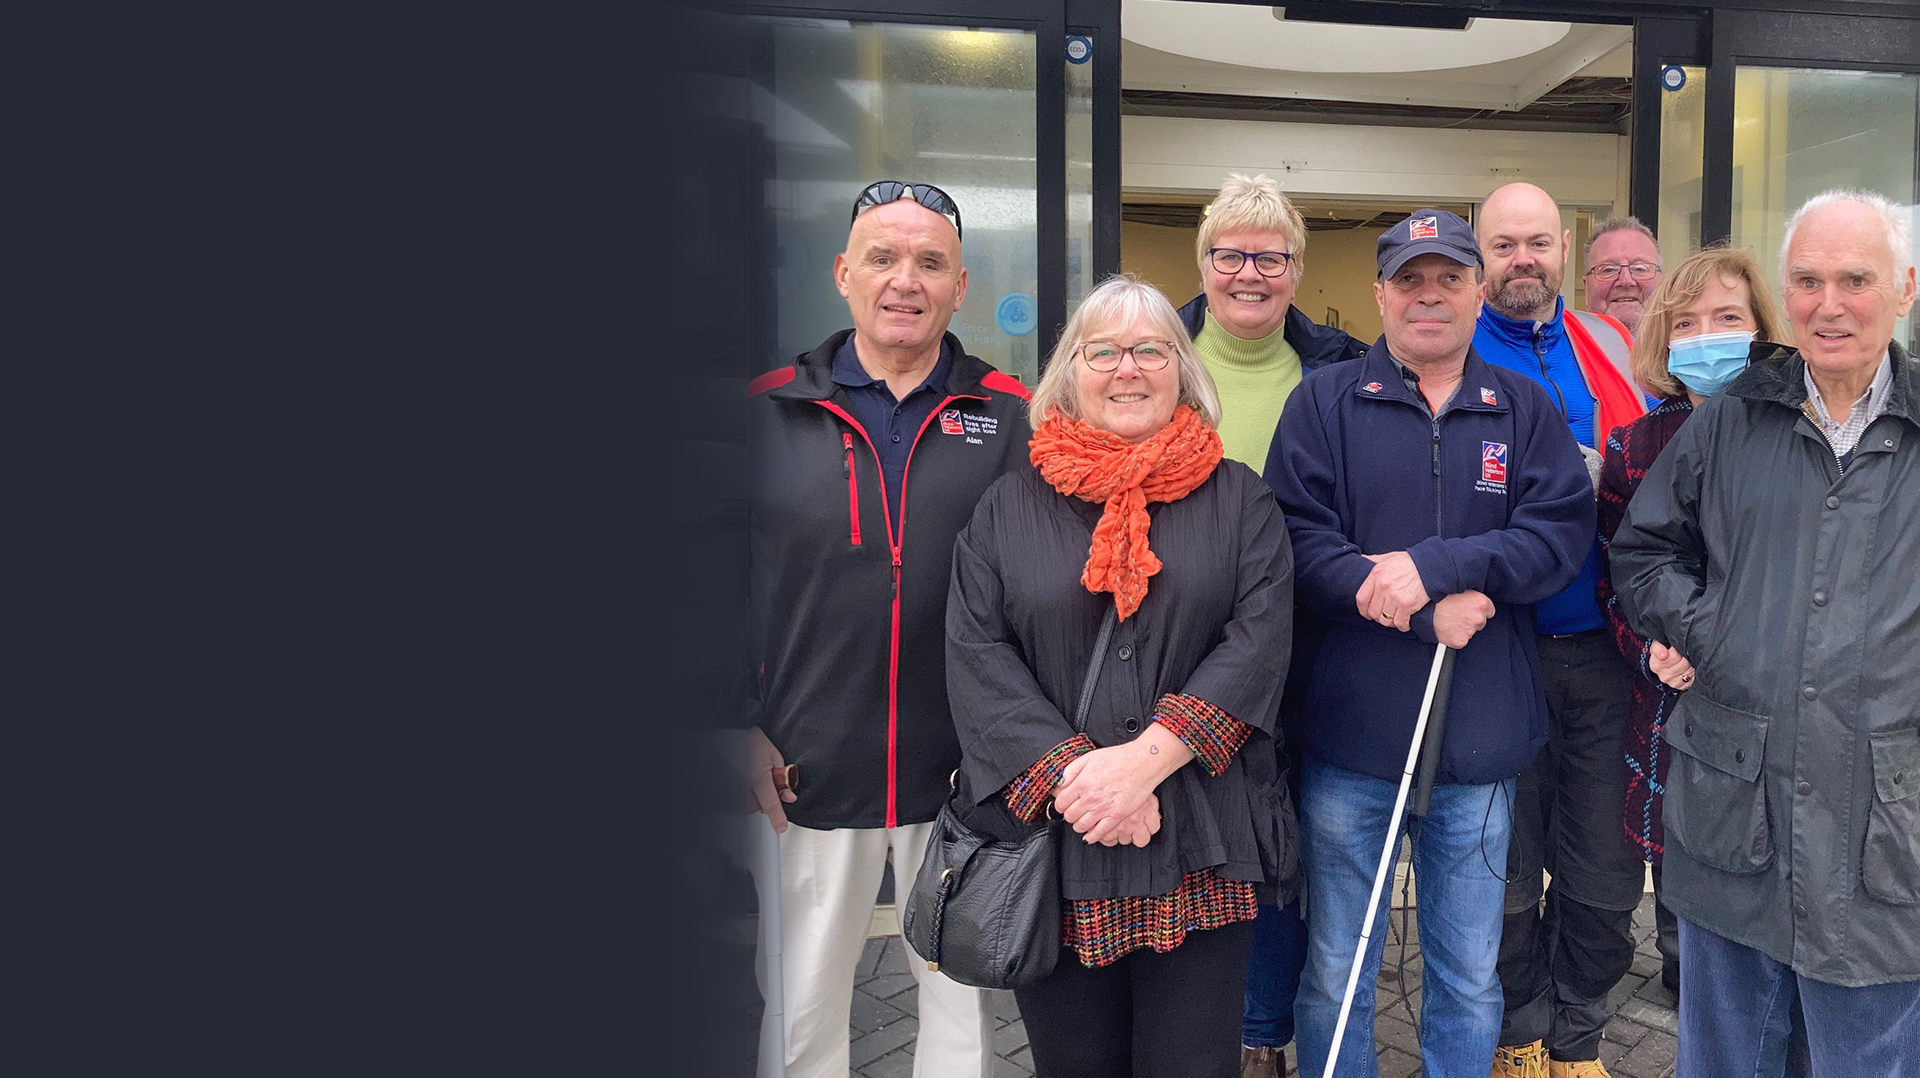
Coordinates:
x,y
1638,1041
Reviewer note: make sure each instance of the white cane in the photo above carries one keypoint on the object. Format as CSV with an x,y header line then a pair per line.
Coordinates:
x,y
1440,655
765,857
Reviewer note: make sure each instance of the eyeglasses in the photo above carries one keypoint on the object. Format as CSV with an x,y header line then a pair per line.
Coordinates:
x,y
1104,356
1608,271
1269,263
926,194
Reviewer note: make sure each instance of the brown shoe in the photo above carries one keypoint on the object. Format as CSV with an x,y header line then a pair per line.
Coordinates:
x,y
1521,1061
1262,1062
1585,1068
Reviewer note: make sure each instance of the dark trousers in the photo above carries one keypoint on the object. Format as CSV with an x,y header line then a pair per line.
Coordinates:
x,y
1557,965
1148,1015
1273,976
1666,936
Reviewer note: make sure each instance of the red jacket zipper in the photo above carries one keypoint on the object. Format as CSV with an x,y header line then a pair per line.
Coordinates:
x,y
894,539
853,493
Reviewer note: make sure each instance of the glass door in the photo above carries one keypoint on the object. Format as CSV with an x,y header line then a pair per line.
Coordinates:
x,y
854,102
1683,143
1800,131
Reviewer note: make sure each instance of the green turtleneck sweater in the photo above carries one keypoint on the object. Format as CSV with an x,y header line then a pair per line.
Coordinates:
x,y
1254,378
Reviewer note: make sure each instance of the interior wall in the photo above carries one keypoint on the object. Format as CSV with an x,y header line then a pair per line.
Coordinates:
x,y
1162,256
1339,271
1191,156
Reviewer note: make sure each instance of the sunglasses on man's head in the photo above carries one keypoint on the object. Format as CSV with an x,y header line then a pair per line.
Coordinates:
x,y
879,194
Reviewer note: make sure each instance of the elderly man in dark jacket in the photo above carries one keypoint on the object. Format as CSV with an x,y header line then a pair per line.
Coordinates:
x,y
1775,547
1430,497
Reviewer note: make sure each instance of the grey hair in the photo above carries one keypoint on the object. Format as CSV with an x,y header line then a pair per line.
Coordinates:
x,y
1896,217
1617,224
1117,301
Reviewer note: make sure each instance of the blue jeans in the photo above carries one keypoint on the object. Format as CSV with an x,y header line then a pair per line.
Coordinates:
x,y
1273,976
1343,823
1737,1010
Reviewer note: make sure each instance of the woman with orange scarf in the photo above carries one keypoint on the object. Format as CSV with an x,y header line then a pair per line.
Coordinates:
x,y
1179,822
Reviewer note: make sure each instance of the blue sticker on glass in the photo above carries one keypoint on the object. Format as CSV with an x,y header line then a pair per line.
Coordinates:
x,y
1079,49
1017,314
1672,77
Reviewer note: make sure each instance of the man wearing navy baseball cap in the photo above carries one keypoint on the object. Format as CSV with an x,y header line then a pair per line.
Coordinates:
x,y
1420,420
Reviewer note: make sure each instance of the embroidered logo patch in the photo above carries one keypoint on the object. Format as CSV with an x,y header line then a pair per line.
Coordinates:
x,y
974,427
1371,387
1493,468
1423,228
1487,397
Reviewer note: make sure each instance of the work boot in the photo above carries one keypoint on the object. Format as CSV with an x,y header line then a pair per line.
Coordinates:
x,y
1262,1062
1522,1061
1586,1068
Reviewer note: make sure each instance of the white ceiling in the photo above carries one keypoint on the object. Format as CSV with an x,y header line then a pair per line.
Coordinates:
x,y
1499,64
1255,37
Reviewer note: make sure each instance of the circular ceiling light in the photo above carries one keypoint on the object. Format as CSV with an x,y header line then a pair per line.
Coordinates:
x,y
1254,37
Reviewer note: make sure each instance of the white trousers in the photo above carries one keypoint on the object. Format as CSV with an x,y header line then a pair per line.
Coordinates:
x,y
828,880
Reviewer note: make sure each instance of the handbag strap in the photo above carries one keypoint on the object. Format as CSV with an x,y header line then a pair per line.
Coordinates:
x,y
969,843
1093,670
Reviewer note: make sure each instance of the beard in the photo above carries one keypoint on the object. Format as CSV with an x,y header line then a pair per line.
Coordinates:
x,y
1514,298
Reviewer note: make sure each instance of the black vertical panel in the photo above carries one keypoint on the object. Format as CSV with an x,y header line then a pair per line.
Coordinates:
x,y
1050,171
1106,152
1716,171
1643,194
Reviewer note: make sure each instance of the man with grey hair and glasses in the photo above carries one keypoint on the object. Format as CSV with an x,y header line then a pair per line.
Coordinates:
x,y
1774,545
1623,269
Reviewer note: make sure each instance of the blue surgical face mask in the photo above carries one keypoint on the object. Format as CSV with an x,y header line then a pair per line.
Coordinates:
x,y
1705,364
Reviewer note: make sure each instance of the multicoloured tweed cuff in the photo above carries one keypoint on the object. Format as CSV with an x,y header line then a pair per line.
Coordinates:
x,y
1212,734
1027,794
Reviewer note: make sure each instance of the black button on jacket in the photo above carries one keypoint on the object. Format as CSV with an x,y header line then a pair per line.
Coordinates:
x,y
1217,623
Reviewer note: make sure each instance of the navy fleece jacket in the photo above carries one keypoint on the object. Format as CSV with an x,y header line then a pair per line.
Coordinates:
x,y
1491,495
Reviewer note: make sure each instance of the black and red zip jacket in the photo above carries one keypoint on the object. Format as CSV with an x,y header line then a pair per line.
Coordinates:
x,y
848,629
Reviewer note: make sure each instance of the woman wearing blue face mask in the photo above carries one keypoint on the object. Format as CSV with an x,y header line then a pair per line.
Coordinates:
x,y
1692,342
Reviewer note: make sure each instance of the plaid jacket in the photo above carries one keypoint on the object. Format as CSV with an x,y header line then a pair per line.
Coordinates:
x,y
1631,450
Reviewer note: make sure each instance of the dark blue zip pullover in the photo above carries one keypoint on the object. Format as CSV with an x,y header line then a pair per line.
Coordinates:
x,y
1490,495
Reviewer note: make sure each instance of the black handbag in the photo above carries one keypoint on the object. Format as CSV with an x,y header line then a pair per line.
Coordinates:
x,y
984,911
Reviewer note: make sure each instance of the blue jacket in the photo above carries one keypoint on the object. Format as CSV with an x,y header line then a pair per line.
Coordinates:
x,y
1491,495
1541,351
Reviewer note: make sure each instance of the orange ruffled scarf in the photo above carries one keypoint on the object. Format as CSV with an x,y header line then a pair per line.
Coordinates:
x,y
1098,466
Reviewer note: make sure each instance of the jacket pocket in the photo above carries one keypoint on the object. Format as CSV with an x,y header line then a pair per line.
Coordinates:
x,y
1716,805
1278,831
1890,864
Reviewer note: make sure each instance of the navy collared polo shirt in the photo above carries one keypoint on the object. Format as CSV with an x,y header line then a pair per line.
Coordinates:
x,y
891,424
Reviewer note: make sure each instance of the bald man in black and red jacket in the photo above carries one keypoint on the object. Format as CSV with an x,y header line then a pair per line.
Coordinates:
x,y
868,455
